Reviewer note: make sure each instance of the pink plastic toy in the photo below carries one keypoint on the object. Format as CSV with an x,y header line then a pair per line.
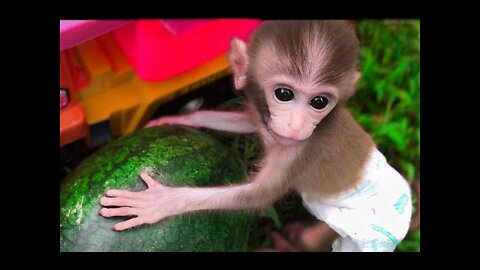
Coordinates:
x,y
74,32
160,49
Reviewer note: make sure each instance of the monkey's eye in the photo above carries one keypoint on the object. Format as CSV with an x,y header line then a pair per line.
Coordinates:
x,y
284,94
319,102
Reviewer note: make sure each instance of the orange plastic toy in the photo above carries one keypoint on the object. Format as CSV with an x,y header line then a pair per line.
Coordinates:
x,y
73,124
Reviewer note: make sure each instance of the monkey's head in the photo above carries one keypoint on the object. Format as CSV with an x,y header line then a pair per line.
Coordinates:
x,y
296,72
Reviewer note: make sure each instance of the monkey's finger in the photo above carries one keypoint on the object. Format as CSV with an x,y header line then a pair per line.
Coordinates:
x,y
151,124
318,237
120,201
134,222
267,250
157,122
123,193
117,212
148,180
293,230
281,243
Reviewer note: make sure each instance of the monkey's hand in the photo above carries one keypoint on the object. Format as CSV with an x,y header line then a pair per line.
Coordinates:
x,y
318,237
167,120
149,206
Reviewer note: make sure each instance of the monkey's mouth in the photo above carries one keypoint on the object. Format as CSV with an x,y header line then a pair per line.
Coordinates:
x,y
283,140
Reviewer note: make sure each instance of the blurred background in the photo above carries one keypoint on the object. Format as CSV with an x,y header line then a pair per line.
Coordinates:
x,y
100,65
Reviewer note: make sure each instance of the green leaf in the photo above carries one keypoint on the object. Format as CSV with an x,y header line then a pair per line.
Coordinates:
x,y
387,56
398,140
380,90
409,170
273,215
395,135
399,72
365,120
266,243
369,63
418,141
404,97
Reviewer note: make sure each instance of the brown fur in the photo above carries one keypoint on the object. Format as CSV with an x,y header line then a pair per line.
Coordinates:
x,y
328,163
327,50
334,157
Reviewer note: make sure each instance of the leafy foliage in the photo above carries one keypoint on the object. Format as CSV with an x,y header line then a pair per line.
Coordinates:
x,y
387,103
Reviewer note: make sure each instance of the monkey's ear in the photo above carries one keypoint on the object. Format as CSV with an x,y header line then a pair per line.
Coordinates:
x,y
356,77
238,59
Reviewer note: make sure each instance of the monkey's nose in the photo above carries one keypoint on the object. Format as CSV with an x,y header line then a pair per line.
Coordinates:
x,y
298,133
295,127
294,134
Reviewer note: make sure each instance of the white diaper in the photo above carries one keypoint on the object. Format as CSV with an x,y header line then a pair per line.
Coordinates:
x,y
373,217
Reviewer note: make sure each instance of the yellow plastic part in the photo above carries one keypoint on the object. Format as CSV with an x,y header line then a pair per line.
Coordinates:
x,y
155,93
97,66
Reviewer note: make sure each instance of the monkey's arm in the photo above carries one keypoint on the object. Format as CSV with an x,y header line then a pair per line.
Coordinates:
x,y
232,121
159,201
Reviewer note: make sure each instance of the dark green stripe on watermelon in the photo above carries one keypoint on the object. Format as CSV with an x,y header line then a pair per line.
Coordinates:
x,y
184,156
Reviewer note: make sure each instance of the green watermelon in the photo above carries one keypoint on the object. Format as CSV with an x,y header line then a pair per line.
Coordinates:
x,y
184,156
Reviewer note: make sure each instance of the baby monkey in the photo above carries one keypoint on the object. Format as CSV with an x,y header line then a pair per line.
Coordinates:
x,y
297,77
